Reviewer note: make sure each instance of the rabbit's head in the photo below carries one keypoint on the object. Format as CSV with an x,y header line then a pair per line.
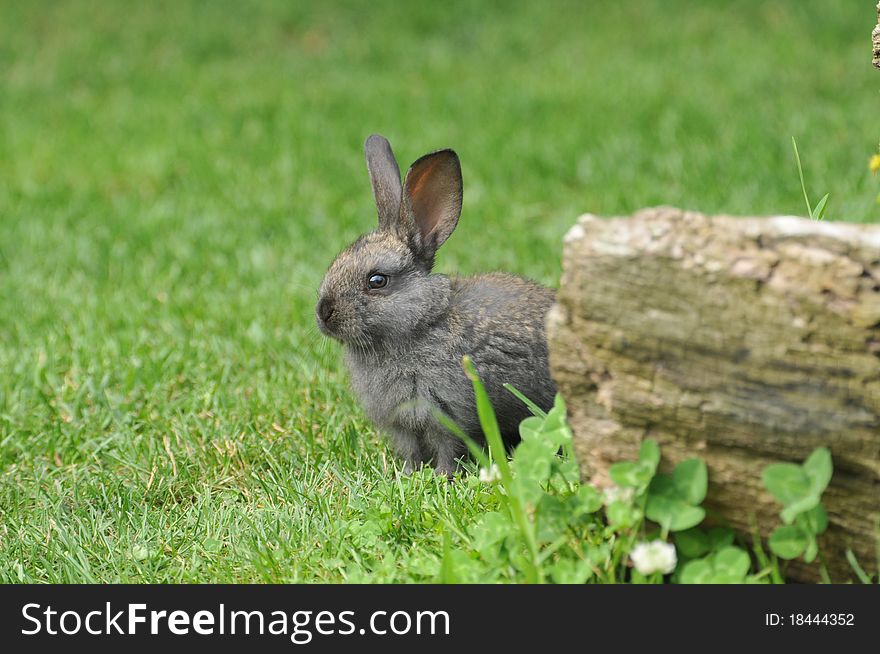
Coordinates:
x,y
379,291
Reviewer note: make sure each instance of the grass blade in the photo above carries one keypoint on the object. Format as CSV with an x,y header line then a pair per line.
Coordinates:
x,y
819,211
447,565
488,422
492,432
854,564
475,449
534,408
797,158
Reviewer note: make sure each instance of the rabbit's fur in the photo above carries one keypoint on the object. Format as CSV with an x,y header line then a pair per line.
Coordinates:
x,y
405,340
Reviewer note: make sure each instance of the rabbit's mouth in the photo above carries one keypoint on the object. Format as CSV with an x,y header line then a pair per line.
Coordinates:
x,y
337,330
330,330
327,331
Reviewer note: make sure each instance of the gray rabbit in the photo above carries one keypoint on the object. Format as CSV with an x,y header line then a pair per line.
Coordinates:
x,y
405,330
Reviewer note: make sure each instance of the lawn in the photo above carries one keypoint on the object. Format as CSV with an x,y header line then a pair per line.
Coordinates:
x,y
175,177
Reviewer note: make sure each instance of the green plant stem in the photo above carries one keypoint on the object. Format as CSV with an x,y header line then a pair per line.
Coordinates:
x,y
491,431
854,564
758,549
823,569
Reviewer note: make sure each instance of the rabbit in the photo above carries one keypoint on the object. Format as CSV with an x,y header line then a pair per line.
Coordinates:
x,y
405,330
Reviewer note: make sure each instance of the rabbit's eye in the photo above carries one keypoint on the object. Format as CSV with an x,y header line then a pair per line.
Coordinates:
x,y
377,280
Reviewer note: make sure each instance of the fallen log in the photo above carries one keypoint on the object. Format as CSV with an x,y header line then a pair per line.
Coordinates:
x,y
875,39
743,341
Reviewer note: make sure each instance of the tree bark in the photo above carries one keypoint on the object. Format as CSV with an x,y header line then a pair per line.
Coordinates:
x,y
875,39
743,341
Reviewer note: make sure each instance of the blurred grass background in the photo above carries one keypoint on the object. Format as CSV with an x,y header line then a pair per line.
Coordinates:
x,y
176,176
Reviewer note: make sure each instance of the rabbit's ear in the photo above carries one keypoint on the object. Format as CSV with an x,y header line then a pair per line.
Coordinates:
x,y
385,178
431,201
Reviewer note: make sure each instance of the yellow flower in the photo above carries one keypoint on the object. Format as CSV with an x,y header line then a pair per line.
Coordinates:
x,y
874,163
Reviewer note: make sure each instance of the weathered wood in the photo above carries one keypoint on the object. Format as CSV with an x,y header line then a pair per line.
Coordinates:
x,y
875,39
743,341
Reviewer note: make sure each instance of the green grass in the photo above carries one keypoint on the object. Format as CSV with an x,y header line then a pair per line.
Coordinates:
x,y
175,177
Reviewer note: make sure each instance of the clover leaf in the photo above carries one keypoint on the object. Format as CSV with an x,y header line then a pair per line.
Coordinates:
x,y
729,565
788,541
673,500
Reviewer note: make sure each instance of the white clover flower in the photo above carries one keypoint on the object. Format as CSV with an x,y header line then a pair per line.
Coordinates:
x,y
490,475
656,556
618,494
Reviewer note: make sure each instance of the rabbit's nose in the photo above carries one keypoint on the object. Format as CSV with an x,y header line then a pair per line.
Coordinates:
x,y
325,309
